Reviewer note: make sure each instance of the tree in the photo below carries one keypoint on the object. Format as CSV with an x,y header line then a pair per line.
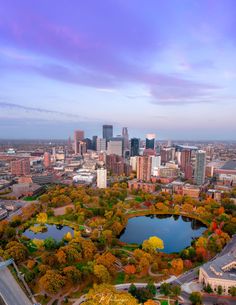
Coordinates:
x,y
208,288
176,290
42,218
232,291
39,243
52,281
152,289
101,273
165,289
72,274
68,236
150,302
130,269
107,295
16,250
219,289
50,243
132,289
177,265
152,244
195,298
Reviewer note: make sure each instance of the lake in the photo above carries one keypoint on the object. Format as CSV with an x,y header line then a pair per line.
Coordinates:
x,y
55,231
176,231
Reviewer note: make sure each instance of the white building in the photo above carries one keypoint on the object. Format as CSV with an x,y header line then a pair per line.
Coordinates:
x,y
155,165
84,176
200,167
115,147
220,272
101,178
133,163
101,144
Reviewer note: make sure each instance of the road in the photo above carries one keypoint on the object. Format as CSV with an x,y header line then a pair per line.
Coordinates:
x,y
10,289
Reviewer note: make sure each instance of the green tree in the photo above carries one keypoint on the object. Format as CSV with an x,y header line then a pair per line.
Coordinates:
x,y
219,289
165,289
195,298
232,291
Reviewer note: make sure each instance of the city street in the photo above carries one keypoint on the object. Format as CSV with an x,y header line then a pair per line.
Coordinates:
x,y
10,290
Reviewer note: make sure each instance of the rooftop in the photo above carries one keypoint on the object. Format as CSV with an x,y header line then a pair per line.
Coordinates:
x,y
218,267
229,165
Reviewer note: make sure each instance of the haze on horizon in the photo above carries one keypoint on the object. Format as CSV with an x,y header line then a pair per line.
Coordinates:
x,y
162,66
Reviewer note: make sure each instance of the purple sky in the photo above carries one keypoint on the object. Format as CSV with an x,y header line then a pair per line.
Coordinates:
x,y
163,66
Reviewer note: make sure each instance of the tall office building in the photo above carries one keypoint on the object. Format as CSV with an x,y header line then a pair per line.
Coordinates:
x,y
115,146
134,147
144,168
78,137
101,144
150,141
200,167
185,163
47,159
125,136
107,132
101,178
94,142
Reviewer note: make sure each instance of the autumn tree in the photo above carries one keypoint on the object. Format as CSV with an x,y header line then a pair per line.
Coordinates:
x,y
42,218
52,281
16,250
107,295
72,274
101,273
152,244
177,265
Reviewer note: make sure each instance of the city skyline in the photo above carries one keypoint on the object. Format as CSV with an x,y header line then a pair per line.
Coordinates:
x,y
164,67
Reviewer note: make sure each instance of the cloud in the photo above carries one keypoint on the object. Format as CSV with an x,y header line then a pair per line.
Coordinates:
x,y
12,106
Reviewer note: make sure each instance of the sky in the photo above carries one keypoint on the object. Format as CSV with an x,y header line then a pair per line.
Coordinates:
x,y
161,66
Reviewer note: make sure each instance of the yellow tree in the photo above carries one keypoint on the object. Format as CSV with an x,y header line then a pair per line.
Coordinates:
x,y
52,281
152,244
101,273
105,294
42,218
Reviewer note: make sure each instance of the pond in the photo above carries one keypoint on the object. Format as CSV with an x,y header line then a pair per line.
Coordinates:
x,y
176,231
55,231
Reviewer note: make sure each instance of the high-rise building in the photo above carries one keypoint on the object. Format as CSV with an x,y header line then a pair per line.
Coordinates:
x,y
115,164
89,144
185,163
134,147
133,163
144,168
81,148
166,154
47,159
150,141
101,144
115,146
94,142
20,167
101,178
155,164
125,136
200,167
107,132
78,137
